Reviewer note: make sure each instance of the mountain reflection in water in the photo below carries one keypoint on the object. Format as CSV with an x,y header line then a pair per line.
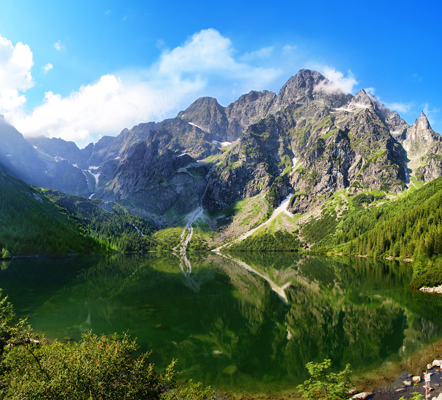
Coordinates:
x,y
241,321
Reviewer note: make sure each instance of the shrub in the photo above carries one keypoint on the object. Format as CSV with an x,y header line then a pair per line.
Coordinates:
x,y
326,387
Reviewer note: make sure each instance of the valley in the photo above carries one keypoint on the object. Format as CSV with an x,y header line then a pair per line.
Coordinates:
x,y
307,217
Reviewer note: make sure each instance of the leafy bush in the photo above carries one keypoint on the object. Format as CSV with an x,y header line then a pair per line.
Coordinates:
x,y
97,367
326,387
5,254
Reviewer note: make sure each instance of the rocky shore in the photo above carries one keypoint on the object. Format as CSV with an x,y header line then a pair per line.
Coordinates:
x,y
436,289
390,382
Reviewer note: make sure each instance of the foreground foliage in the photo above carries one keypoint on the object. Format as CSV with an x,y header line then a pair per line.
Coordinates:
x,y
97,367
325,386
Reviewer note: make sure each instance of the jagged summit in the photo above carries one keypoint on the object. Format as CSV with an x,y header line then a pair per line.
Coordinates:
x,y
365,99
208,115
309,86
313,137
422,122
305,80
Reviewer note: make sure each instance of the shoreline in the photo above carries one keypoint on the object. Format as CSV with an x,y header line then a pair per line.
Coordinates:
x,y
381,382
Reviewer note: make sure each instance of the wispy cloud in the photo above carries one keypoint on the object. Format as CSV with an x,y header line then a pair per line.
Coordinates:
x,y
104,107
288,49
46,68
59,46
430,112
338,82
404,108
122,100
208,52
265,52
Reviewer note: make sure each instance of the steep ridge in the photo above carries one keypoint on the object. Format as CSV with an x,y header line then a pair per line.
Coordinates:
x,y
227,124
311,139
19,157
30,223
424,150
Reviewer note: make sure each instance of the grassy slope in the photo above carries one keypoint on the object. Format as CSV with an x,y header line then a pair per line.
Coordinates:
x,y
31,224
108,222
409,227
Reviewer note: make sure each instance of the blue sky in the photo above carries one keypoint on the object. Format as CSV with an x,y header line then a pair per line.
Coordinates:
x,y
80,70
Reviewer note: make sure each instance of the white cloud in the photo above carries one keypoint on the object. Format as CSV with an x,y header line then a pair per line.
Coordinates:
x,y
338,82
208,52
400,107
265,52
15,74
105,107
122,100
403,108
59,46
287,49
47,68
429,112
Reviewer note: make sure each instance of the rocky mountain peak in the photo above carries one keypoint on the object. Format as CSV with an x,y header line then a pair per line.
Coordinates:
x,y
420,143
300,86
305,79
422,123
208,115
309,86
201,103
363,98
202,109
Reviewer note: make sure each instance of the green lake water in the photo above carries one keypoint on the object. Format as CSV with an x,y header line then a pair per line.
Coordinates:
x,y
244,322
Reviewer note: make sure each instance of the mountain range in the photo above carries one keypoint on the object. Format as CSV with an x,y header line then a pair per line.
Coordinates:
x,y
226,169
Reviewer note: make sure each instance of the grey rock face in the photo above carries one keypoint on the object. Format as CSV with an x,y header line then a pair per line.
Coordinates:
x,y
306,87
424,150
247,110
208,115
311,138
19,156
249,167
228,124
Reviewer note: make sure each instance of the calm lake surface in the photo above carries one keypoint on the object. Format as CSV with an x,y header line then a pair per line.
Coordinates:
x,y
243,322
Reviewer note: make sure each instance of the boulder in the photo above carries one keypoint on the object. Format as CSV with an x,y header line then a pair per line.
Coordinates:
x,y
416,379
363,395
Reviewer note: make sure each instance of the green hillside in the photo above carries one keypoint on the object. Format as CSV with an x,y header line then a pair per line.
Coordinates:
x,y
47,222
407,228
31,224
107,222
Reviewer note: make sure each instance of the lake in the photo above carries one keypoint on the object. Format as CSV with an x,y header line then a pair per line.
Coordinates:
x,y
239,322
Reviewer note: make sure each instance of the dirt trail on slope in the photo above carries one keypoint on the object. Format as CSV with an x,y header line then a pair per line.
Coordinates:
x,y
278,289
282,208
186,237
